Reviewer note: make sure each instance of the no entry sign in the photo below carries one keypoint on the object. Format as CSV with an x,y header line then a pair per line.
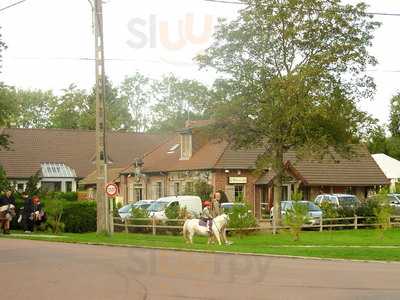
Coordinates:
x,y
111,190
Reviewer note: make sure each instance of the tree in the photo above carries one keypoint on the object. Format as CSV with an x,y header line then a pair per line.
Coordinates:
x,y
33,108
117,110
135,90
32,185
295,70
71,109
7,110
177,101
4,183
377,141
394,124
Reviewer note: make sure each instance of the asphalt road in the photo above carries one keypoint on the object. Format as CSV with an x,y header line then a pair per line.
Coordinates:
x,y
42,270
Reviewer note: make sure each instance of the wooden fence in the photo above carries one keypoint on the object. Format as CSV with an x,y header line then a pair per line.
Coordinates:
x,y
355,222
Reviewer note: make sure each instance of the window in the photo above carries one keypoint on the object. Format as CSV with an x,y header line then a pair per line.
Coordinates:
x,y
239,193
20,187
176,188
68,186
139,193
189,187
157,190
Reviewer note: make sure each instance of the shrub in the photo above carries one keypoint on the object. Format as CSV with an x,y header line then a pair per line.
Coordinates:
x,y
139,213
54,211
383,211
203,189
295,218
329,211
241,217
80,216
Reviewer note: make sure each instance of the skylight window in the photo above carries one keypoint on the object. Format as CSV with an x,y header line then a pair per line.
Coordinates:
x,y
173,148
51,170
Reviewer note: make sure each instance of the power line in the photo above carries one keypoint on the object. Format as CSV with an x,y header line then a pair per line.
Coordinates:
x,y
11,5
368,13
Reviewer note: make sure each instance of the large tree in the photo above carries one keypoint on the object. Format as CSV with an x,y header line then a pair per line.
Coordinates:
x,y
135,90
177,100
71,109
117,110
296,70
33,108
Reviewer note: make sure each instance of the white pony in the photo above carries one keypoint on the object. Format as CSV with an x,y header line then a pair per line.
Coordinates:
x,y
192,227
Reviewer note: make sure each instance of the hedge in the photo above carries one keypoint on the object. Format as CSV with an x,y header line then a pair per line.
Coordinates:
x,y
80,216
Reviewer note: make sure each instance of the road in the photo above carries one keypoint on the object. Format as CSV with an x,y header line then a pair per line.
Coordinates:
x,y
42,270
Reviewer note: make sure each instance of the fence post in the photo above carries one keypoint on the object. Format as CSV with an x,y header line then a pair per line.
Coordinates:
x,y
355,222
154,225
321,224
126,225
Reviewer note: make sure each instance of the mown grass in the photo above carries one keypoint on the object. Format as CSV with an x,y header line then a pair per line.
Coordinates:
x,y
344,244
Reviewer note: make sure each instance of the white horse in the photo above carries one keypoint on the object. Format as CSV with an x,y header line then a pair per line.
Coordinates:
x,y
192,227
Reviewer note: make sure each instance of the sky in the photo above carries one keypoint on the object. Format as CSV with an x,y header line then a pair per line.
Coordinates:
x,y
51,44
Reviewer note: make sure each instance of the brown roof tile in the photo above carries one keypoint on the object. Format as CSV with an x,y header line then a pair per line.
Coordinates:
x,y
75,148
203,159
113,175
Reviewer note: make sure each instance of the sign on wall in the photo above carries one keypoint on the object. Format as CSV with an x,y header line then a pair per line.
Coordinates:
x,y
237,180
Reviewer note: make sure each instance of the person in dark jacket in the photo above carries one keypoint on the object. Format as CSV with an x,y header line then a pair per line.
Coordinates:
x,y
6,216
38,216
27,222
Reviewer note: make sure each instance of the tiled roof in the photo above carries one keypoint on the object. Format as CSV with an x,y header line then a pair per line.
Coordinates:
x,y
74,148
162,159
113,175
360,170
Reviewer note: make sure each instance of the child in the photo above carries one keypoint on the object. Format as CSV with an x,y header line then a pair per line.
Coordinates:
x,y
206,215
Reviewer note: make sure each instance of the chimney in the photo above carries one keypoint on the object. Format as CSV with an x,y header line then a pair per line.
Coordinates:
x,y
186,144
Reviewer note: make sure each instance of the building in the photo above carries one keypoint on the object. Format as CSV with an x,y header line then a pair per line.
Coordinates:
x,y
63,157
390,167
174,166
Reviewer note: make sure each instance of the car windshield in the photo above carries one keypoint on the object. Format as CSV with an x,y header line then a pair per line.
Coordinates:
x,y
125,208
157,206
313,207
347,200
144,205
227,206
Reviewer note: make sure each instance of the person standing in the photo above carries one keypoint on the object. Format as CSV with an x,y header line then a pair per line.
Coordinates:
x,y
215,207
26,213
6,216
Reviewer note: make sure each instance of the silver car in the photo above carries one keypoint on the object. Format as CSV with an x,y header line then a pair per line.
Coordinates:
x,y
313,212
126,211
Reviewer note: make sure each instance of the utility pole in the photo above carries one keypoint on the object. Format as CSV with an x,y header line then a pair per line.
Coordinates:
x,y
104,221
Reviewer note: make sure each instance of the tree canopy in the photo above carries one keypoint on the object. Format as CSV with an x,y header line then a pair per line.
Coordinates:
x,y
296,70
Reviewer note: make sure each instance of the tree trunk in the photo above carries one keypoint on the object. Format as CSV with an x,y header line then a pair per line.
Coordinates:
x,y
279,170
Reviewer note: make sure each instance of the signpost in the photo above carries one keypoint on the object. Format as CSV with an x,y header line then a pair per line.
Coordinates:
x,y
111,190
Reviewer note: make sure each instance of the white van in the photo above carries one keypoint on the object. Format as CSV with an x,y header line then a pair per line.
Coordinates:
x,y
192,204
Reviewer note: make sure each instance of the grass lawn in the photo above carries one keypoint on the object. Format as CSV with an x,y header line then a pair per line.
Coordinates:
x,y
344,244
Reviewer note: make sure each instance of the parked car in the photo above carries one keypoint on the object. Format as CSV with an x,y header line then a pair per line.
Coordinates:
x,y
126,211
192,204
228,206
313,211
394,201
338,200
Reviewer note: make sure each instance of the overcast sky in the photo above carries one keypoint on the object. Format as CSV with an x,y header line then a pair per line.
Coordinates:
x,y
49,42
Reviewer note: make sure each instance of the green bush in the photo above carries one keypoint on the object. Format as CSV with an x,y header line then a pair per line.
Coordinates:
x,y
54,211
240,217
139,213
80,216
69,196
295,218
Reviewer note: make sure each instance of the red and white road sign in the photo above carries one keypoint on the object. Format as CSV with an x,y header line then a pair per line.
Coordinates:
x,y
111,190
